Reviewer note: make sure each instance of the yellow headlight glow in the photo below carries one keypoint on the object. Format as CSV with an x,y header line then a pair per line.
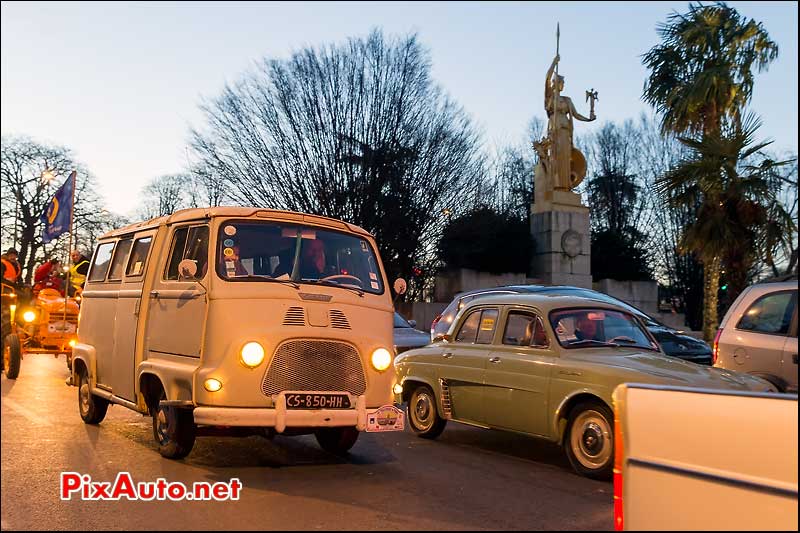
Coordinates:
x,y
381,359
212,385
72,343
252,354
397,389
28,316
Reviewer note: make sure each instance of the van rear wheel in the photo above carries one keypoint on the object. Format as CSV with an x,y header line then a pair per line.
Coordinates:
x,y
174,430
337,441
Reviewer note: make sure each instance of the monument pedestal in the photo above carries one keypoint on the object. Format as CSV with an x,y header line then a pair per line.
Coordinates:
x,y
560,229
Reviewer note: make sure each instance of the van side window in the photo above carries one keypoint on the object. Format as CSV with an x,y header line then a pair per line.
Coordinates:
x,y
120,260
102,258
772,313
138,257
189,243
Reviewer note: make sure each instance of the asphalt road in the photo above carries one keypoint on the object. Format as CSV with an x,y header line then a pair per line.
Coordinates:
x,y
467,479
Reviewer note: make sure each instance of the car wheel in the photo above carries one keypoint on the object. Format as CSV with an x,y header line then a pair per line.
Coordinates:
x,y
337,441
174,430
12,356
92,408
589,440
422,413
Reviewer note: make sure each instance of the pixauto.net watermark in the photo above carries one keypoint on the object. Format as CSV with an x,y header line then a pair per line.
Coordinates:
x,y
81,487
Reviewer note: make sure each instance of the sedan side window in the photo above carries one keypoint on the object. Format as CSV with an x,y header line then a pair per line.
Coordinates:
x,y
469,329
488,324
771,313
525,329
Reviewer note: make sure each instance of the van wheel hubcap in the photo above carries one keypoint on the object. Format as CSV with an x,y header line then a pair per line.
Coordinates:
x,y
84,397
163,426
422,411
591,440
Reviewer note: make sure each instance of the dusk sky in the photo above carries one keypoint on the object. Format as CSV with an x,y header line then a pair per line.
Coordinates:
x,y
120,83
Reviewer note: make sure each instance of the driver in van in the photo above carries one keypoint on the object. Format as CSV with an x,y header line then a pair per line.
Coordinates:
x,y
312,261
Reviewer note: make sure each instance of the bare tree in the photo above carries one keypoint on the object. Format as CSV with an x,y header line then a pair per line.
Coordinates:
x,y
166,194
31,173
356,131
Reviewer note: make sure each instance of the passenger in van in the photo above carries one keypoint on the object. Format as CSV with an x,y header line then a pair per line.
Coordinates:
x,y
232,264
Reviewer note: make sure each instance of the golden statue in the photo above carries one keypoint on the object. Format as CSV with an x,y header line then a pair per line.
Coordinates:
x,y
561,167
567,166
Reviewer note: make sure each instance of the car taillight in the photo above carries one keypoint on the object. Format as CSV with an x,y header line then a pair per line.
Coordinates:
x,y
618,453
715,347
433,324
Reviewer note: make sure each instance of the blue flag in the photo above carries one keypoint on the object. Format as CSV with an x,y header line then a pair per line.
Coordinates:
x,y
57,217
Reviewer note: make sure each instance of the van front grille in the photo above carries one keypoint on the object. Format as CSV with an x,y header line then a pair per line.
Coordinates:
x,y
312,365
295,316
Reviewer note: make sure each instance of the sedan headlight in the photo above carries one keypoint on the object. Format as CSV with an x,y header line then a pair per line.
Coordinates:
x,y
381,359
28,316
252,354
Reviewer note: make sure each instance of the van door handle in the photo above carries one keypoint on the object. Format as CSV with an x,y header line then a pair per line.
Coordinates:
x,y
494,359
154,294
447,355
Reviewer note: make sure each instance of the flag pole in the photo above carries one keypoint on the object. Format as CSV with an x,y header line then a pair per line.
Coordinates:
x,y
74,177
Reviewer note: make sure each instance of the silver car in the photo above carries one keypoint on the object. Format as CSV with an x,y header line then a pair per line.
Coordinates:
x,y
759,334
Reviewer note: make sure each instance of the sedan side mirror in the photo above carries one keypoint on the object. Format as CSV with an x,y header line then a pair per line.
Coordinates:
x,y
442,337
412,323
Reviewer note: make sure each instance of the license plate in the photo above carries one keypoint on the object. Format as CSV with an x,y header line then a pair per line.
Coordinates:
x,y
317,401
386,418
61,327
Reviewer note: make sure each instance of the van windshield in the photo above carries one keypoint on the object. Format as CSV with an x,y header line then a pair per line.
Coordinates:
x,y
274,251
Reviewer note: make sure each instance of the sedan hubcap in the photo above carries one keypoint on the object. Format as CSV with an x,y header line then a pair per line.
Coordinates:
x,y
591,440
422,411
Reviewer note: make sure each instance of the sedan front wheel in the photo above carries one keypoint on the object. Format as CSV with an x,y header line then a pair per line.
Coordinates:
x,y
589,441
422,413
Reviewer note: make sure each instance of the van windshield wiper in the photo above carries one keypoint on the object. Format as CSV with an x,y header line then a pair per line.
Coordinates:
x,y
334,284
256,277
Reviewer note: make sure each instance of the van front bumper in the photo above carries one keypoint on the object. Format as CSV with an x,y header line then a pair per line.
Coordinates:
x,y
279,417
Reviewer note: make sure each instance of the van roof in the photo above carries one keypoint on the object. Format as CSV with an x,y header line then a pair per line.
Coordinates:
x,y
199,213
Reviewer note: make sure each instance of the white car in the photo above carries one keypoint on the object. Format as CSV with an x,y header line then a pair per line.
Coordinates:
x,y
759,334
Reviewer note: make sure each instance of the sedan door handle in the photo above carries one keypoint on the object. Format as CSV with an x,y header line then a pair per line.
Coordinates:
x,y
154,294
494,359
447,355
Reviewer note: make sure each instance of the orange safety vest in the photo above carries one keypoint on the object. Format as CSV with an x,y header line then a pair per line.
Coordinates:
x,y
12,272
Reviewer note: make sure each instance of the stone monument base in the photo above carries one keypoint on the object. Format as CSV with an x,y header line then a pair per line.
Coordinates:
x,y
562,254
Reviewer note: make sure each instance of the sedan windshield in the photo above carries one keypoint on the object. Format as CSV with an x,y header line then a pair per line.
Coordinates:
x,y
587,328
291,253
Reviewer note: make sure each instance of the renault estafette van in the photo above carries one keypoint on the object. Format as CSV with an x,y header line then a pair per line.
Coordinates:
x,y
237,317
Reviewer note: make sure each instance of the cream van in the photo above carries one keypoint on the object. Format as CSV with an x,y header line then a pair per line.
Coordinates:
x,y
237,317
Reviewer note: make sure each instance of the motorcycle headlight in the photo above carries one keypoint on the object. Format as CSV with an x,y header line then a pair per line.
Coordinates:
x,y
381,359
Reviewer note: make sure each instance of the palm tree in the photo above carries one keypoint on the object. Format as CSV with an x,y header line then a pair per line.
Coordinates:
x,y
701,75
739,216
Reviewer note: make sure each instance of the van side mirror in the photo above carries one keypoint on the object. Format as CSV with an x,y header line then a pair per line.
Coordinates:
x,y
400,286
187,269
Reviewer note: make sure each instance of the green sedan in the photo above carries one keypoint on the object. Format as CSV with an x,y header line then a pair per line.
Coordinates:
x,y
544,366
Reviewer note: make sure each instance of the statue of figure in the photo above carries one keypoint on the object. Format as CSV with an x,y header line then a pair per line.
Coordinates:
x,y
560,112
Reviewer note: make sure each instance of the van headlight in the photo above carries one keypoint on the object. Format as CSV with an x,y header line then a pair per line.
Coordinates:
x,y
28,316
252,354
381,359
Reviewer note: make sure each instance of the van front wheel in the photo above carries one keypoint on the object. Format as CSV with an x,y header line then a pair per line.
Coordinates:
x,y
92,408
174,430
337,441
